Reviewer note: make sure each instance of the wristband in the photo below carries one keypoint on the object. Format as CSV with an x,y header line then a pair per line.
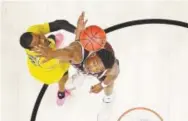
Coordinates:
x,y
103,85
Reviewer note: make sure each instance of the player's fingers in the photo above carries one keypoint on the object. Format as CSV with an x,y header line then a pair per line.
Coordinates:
x,y
91,89
85,22
39,55
42,47
83,14
37,49
44,61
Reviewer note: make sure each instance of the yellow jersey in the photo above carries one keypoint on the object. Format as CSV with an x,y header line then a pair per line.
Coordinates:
x,y
50,71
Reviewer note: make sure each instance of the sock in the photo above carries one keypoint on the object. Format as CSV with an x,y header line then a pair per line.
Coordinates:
x,y
61,95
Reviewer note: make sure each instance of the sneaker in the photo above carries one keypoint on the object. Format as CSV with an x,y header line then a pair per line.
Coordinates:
x,y
108,99
61,96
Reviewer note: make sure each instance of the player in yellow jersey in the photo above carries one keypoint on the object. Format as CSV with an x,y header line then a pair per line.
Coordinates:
x,y
51,71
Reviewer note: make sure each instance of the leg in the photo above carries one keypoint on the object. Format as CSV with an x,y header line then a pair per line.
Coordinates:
x,y
109,90
108,93
106,111
63,81
62,92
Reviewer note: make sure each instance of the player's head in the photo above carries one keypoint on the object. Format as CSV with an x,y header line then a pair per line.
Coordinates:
x,y
29,40
99,61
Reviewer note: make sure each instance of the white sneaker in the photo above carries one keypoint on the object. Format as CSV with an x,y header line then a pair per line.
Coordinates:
x,y
108,99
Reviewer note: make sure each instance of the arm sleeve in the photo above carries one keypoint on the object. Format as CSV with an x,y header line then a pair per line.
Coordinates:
x,y
61,24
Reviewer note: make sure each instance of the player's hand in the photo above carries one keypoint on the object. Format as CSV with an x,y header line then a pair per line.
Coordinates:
x,y
81,22
43,51
96,88
43,38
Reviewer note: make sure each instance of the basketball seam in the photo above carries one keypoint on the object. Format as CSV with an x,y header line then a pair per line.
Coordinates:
x,y
86,45
95,42
95,32
92,32
91,39
96,37
87,35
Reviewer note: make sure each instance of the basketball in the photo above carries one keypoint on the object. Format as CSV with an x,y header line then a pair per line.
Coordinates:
x,y
93,38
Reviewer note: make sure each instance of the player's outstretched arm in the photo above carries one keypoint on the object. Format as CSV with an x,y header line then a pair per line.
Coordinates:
x,y
67,54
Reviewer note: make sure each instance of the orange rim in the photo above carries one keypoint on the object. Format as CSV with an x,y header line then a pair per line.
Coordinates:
x,y
140,108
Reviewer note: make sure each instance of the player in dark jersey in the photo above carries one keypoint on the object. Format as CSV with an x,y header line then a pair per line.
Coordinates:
x,y
101,64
